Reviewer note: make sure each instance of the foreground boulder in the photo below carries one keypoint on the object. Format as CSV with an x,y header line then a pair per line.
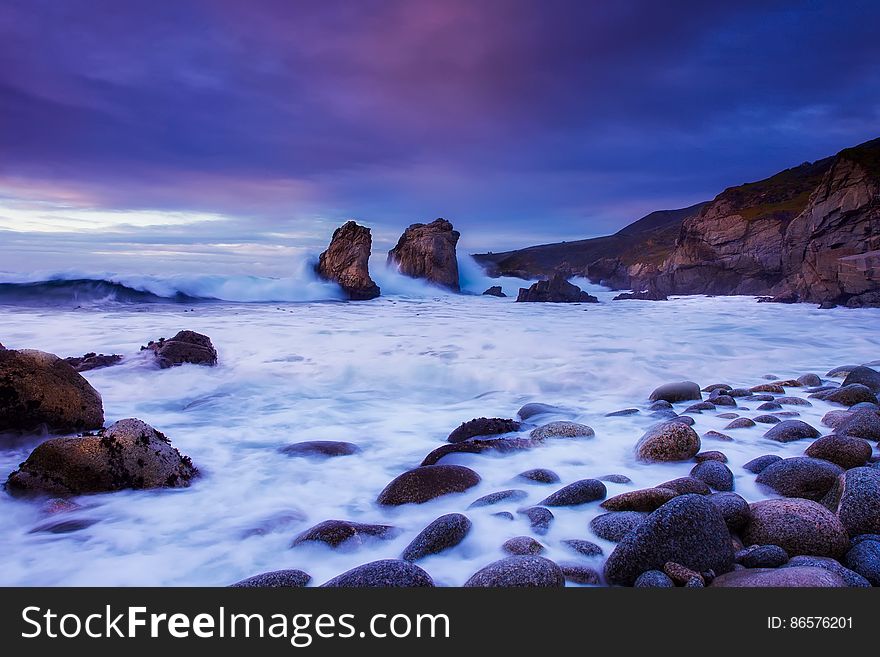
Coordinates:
x,y
861,423
798,576
428,251
790,430
845,451
797,526
859,505
386,573
688,530
517,572
669,441
275,579
39,389
346,262
427,482
445,532
128,454
555,290
93,361
185,347
865,376
801,476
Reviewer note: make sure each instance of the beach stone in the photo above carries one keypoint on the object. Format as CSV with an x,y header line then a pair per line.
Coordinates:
x,y
511,495
535,408
779,578
522,545
740,423
386,573
540,476
504,515
585,548
845,451
715,474
864,558
645,499
483,426
682,575
861,423
654,579
762,398
809,380
770,406
63,526
579,574
346,262
579,492
445,532
734,509
736,393
562,429
685,485
669,441
801,476
128,454
851,577
792,401
700,407
728,416
859,506
717,435
479,446
614,526
768,387
683,419
321,449
539,519
185,347
848,395
864,376
518,572
762,556
677,392
791,430
275,579
39,389
689,530
711,455
834,418
623,412
338,532
786,414
758,464
722,400
660,405
798,526
615,479
767,419
840,372
717,386
426,483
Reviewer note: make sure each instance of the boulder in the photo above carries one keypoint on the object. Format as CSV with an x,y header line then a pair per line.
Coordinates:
x,y
584,548
797,526
577,493
427,251
127,454
851,577
762,556
845,451
346,262
482,426
562,429
809,380
539,518
715,474
859,505
494,291
791,430
539,476
344,532
864,558
386,573
802,476
646,499
522,545
274,580
668,441
685,485
861,423
39,389
654,579
865,376
758,464
518,572
580,574
614,526
511,495
532,409
801,576
427,482
320,449
555,290
734,509
445,532
848,395
676,392
739,423
711,455
93,361
184,347
480,445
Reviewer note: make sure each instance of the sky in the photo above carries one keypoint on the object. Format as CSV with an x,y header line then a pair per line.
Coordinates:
x,y
225,135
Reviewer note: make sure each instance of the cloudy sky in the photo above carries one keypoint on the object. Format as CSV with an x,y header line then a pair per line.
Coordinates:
x,y
218,133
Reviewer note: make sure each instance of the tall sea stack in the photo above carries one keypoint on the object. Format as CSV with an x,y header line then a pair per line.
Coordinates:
x,y
428,251
346,261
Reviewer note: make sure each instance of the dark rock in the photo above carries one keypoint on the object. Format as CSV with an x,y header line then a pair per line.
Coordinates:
x,y
511,495
555,290
717,435
646,499
128,454
39,389
797,526
539,519
540,476
845,451
715,474
615,479
864,558
767,419
762,556
321,449
184,347
504,515
387,573
770,406
614,526
790,430
792,401
483,426
734,509
623,412
683,419
427,482
668,441
660,405
711,455
579,492
759,464
644,295
666,414
859,506
847,395
864,376
728,416
532,409
740,423
578,574
93,361
834,418
717,386
676,392
517,572
723,400
445,532
801,476
63,526
346,261
562,430
855,540
841,372
699,407
522,545
654,579
768,387
745,392
861,423
851,577
338,532
428,251
494,291
689,530
275,579
685,485
762,398
585,548
779,578
809,380
480,445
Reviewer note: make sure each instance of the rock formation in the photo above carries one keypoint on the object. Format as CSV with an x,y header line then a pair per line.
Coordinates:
x,y
428,251
556,290
346,261
184,347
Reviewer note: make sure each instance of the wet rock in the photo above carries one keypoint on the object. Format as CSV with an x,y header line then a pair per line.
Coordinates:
x,y
762,398
845,451
522,545
555,290
797,526
809,380
770,406
654,579
644,295
660,405
483,426
840,372
614,526
851,577
864,558
275,579
387,573
762,556
494,291
93,361
504,515
479,446
321,449
728,416
669,441
847,395
861,423
338,532
792,401
723,400
689,530
859,506
517,572
562,430
685,485
715,474
427,251
711,455
734,509
346,261
767,419
717,435
791,430
579,492
445,532
534,408
699,407
622,413
127,454
684,419
779,578
682,575
426,483
757,465
717,386
646,499
585,548
740,423
615,479
801,476
677,392
579,574
736,393
511,495
539,519
39,389
184,347
865,376
539,475
834,418
67,526
768,387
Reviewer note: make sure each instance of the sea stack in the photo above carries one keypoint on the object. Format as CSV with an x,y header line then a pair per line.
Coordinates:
x,y
428,251
346,261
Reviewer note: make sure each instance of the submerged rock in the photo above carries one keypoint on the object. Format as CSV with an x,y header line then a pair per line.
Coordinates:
x,y
555,290
427,482
346,261
646,499
386,573
480,445
562,429
579,492
321,449
585,548
275,579
92,361
483,426
427,251
644,295
344,532
517,572
676,392
539,518
522,545
184,347
532,409
540,476
790,430
511,495
444,533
